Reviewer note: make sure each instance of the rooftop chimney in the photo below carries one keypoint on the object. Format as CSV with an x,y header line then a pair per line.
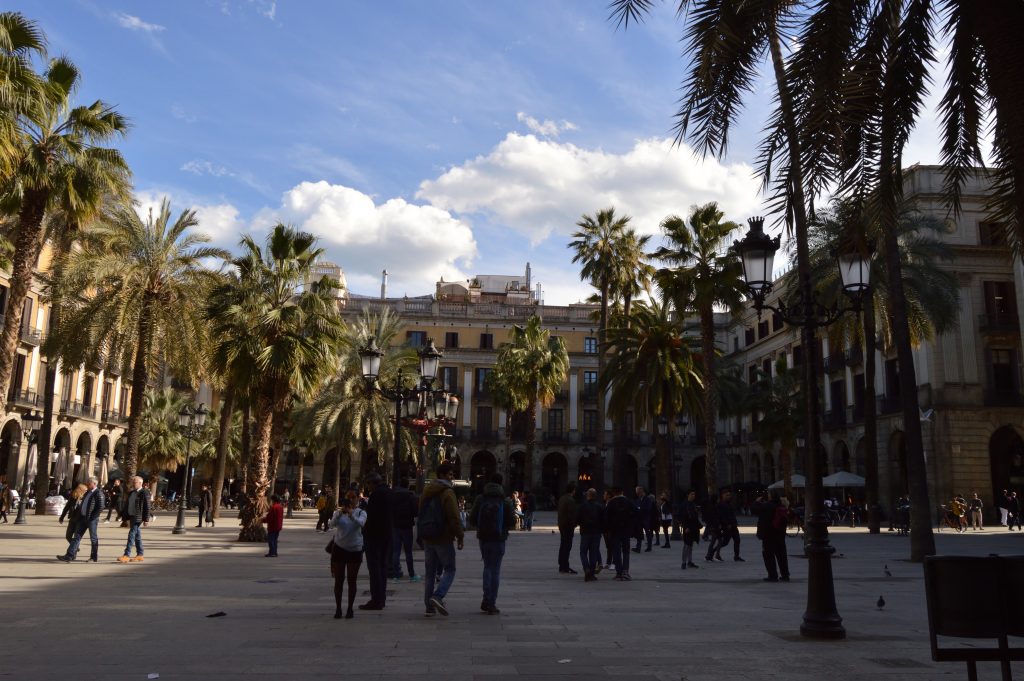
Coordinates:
x,y
384,285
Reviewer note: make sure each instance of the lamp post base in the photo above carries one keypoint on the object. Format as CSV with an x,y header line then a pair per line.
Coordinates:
x,y
821,619
21,519
179,525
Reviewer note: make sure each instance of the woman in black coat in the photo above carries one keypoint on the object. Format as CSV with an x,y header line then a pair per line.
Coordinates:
x,y
73,510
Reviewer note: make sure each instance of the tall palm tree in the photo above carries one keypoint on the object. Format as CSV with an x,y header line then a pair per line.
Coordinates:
x,y
498,386
932,300
161,443
597,246
290,348
702,275
652,370
536,366
150,284
59,165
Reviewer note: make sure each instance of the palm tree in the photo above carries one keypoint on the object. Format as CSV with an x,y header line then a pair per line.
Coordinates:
x,y
932,300
58,165
776,399
703,275
161,444
535,364
597,246
150,285
652,371
291,345
20,41
497,385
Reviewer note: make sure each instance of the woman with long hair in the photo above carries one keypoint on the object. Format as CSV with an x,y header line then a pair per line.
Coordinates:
x,y
346,550
73,511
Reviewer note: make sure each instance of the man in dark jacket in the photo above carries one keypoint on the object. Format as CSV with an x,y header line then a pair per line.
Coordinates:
x,y
728,528
136,514
620,516
771,530
566,527
712,528
377,540
205,505
646,508
439,513
492,514
114,497
689,522
590,518
403,518
88,519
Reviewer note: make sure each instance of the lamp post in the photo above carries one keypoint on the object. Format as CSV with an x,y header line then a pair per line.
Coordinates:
x,y
681,424
421,406
30,424
757,253
191,420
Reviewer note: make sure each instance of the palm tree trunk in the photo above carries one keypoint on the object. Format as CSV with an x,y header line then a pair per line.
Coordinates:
x,y
999,25
663,464
46,432
531,438
227,411
256,492
508,452
138,393
707,346
296,498
243,468
277,445
26,250
786,463
602,349
870,418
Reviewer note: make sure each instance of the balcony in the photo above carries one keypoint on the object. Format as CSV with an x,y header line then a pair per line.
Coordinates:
x,y
556,437
77,410
590,393
890,405
854,357
835,418
484,435
114,418
24,398
835,362
33,337
1003,398
999,324
562,396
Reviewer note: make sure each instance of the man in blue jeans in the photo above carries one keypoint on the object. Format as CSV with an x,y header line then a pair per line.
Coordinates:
x,y
403,519
92,506
620,516
590,518
439,528
136,512
492,514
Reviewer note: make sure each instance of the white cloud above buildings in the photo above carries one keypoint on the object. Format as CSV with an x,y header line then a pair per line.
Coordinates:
x,y
541,187
134,23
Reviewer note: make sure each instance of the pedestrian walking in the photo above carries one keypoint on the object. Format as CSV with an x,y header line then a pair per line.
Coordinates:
x,y
566,528
976,508
323,510
115,498
529,508
73,513
728,527
646,518
137,513
377,540
1004,510
1013,508
205,506
772,520
712,529
590,518
620,517
403,517
492,514
274,520
689,521
346,550
606,496
438,527
6,499
90,508
665,518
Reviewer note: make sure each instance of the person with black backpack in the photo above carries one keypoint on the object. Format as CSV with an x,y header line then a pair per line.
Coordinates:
x,y
438,526
492,514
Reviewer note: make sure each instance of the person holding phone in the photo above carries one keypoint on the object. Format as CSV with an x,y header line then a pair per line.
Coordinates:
x,y
346,551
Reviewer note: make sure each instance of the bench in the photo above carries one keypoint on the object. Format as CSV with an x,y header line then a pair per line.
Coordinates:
x,y
976,597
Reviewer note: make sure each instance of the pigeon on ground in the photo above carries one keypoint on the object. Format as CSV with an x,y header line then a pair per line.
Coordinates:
x,y
887,573
880,603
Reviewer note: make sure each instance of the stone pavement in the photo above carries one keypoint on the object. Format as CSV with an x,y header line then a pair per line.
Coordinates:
x,y
114,621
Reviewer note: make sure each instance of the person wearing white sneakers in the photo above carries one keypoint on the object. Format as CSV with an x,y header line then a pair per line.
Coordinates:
x,y
136,512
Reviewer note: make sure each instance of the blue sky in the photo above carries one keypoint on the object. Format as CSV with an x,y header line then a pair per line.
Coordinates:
x,y
434,138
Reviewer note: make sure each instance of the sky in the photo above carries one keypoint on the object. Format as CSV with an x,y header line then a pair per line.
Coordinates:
x,y
434,139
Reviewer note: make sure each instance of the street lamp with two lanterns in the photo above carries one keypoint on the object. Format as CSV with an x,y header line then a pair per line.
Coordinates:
x,y
191,420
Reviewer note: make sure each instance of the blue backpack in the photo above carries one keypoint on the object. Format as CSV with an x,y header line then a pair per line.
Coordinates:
x,y
431,523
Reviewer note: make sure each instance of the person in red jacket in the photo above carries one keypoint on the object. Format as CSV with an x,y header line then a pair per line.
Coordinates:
x,y
275,521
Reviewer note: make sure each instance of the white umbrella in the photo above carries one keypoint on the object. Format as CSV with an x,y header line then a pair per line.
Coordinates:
x,y
843,479
795,480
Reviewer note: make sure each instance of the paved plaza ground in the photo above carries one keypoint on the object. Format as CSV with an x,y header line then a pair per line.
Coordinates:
x,y
114,621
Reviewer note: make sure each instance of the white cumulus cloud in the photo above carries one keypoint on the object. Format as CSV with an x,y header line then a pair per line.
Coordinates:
x,y
538,187
134,23
416,243
545,128
199,167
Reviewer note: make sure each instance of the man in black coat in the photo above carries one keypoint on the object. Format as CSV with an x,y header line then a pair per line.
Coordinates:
x,y
620,517
404,506
772,519
728,527
590,518
377,540
646,508
205,505
88,519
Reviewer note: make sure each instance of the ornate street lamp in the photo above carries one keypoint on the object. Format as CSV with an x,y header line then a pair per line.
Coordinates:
x,y
420,405
30,424
191,420
757,254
